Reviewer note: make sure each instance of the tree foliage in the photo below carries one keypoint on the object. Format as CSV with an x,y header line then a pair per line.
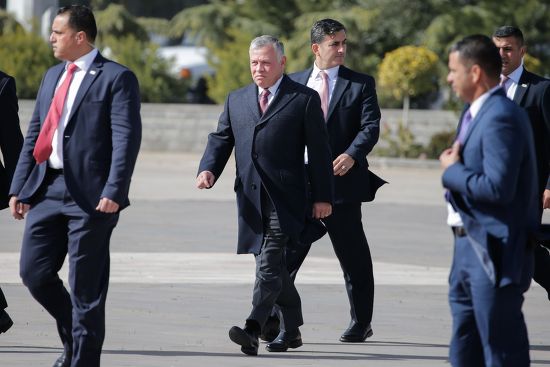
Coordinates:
x,y
25,56
116,22
231,64
122,38
408,71
156,84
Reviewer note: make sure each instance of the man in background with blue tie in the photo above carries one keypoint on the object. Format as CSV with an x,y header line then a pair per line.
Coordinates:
x,y
72,180
489,173
531,92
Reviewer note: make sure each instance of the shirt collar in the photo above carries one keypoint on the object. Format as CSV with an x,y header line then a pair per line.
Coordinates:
x,y
516,74
273,89
332,72
476,105
85,62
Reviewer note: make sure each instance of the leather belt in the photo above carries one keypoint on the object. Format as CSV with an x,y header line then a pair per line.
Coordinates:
x,y
54,171
459,231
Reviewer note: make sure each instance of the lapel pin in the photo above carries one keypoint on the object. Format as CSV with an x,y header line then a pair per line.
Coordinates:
x,y
524,85
93,72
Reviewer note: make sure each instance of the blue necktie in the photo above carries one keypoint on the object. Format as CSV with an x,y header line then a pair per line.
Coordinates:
x,y
464,126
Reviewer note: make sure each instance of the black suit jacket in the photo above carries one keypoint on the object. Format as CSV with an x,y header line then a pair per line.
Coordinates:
x,y
533,94
353,124
11,138
269,152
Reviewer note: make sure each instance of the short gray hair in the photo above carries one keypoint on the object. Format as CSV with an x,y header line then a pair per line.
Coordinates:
x,y
266,40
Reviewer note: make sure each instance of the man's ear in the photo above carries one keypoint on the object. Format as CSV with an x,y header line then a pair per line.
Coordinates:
x,y
315,48
475,72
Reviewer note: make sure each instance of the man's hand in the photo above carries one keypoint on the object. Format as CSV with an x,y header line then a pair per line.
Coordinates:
x,y
17,208
205,180
107,206
342,164
546,199
321,210
450,156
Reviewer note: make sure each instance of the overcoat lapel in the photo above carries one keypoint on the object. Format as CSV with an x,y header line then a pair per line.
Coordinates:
x,y
284,95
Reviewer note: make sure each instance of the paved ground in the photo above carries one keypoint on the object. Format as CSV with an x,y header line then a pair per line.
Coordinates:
x,y
177,287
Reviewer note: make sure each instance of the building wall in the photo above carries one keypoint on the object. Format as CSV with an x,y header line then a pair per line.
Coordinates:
x,y
185,127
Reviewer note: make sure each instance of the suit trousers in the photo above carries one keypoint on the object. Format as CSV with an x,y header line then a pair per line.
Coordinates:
x,y
542,268
542,258
488,325
55,227
273,285
346,233
3,303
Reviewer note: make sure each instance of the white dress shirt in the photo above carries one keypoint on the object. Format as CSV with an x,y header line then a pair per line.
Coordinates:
x,y
513,81
83,63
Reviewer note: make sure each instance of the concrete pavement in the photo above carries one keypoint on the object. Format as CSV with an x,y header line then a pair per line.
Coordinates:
x,y
177,286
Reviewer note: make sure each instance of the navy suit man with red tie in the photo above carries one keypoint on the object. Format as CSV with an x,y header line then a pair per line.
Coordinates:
x,y
532,93
72,180
352,117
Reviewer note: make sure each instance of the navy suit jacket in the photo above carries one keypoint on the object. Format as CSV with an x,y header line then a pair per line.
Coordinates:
x,y
533,94
269,152
493,190
11,138
353,124
101,140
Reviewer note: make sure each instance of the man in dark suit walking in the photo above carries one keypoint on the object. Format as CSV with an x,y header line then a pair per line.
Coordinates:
x,y
489,173
269,123
532,93
11,140
72,180
352,115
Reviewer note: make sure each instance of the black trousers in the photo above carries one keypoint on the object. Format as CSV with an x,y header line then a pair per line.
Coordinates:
x,y
345,229
273,285
542,268
55,227
3,303
542,261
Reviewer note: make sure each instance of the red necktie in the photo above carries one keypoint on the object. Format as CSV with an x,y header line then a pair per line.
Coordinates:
x,y
263,100
43,146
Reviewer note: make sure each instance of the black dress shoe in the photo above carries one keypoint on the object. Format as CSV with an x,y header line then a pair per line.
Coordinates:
x,y
270,329
5,321
356,333
284,341
246,338
64,360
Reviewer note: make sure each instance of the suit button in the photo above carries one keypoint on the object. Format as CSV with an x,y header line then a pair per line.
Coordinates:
x,y
255,155
253,186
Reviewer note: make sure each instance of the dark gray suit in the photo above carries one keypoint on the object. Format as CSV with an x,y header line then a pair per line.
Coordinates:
x,y
271,182
353,123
